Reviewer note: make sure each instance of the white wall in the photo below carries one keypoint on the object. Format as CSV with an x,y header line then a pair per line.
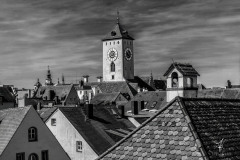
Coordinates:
x,y
46,140
67,136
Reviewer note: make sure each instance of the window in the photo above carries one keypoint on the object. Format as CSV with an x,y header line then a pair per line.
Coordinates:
x,y
112,67
45,155
53,121
190,82
112,76
80,92
33,156
174,79
32,134
120,98
153,104
20,156
79,146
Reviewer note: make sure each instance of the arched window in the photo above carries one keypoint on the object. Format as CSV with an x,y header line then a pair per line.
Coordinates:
x,y
33,156
190,82
32,134
174,79
112,67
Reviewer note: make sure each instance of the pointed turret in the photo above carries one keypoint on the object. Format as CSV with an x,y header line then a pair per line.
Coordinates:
x,y
49,78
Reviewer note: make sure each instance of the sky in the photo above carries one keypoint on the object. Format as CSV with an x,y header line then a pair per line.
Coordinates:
x,y
66,35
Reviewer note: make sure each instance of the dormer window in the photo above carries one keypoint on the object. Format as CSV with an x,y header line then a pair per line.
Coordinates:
x,y
32,134
174,80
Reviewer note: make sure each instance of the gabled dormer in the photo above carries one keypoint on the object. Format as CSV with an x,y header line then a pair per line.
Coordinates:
x,y
181,81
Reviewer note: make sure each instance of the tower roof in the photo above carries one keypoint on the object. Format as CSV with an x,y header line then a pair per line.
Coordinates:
x,y
117,32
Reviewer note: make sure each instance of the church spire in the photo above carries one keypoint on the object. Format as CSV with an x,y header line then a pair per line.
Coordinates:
x,y
117,17
49,77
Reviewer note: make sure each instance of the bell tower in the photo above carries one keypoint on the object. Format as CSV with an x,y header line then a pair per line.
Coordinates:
x,y
118,55
181,81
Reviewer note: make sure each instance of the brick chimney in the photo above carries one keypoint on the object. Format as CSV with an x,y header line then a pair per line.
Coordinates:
x,y
99,79
122,111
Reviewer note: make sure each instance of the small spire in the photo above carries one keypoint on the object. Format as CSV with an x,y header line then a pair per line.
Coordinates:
x,y
117,16
58,81
63,79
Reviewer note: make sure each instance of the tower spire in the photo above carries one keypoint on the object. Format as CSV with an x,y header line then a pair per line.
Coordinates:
x,y
117,16
49,77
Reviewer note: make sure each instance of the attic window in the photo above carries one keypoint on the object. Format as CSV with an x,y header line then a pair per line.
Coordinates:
x,y
79,146
113,33
53,121
32,134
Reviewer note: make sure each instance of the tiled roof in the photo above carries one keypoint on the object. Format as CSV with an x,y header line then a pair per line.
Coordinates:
x,y
10,119
61,91
141,83
123,87
219,93
46,112
7,96
94,130
185,69
149,98
116,33
105,98
185,129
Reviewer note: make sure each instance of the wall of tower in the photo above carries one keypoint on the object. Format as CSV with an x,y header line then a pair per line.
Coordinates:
x,y
128,70
118,74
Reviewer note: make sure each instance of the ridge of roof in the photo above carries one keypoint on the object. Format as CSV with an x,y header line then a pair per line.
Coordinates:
x,y
138,128
186,70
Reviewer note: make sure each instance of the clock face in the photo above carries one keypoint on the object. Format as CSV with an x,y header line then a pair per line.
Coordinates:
x,y
112,54
128,54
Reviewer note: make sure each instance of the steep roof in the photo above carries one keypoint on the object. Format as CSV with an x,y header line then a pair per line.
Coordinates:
x,y
6,94
97,130
10,120
152,99
117,32
184,68
61,91
105,97
185,129
46,112
219,93
120,86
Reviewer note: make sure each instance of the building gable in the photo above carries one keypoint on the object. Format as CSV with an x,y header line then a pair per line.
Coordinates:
x,y
45,141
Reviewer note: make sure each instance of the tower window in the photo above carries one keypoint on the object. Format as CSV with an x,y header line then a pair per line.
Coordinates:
x,y
112,67
106,43
117,42
112,76
110,43
33,156
174,80
190,82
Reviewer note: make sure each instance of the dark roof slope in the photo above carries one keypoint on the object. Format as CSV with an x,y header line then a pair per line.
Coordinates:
x,y
6,94
185,69
185,129
116,33
61,91
105,98
46,112
94,130
10,119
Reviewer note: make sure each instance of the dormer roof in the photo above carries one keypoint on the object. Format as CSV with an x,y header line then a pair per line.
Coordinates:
x,y
185,69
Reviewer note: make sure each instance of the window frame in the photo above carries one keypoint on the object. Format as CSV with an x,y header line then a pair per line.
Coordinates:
x,y
33,154
79,146
112,67
53,121
22,154
32,136
45,155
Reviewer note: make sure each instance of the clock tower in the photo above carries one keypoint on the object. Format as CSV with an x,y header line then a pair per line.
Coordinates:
x,y
118,55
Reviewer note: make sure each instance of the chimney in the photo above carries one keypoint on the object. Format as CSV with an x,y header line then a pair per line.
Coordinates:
x,y
29,93
85,78
89,110
99,79
142,105
39,107
135,107
122,111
